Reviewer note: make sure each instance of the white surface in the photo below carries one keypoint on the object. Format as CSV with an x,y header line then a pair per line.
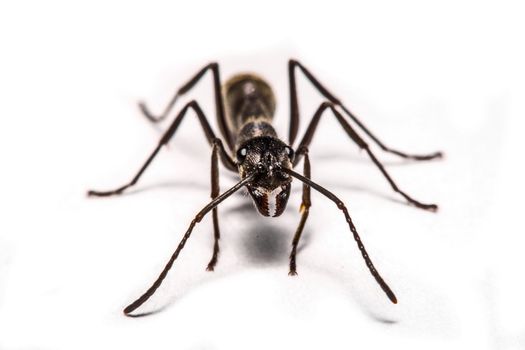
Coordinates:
x,y
447,76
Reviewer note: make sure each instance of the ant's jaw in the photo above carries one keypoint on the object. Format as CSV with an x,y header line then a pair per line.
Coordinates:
x,y
270,202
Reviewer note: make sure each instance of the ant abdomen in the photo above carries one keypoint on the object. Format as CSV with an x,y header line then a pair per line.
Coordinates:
x,y
248,96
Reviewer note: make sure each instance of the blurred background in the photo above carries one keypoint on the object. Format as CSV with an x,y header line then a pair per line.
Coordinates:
x,y
422,76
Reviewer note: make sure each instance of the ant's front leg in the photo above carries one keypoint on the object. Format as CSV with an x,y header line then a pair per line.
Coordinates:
x,y
200,215
305,209
215,190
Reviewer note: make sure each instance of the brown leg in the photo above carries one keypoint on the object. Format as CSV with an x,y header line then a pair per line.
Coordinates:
x,y
305,142
305,209
294,112
219,103
227,161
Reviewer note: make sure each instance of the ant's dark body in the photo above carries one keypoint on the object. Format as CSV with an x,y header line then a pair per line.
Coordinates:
x,y
262,160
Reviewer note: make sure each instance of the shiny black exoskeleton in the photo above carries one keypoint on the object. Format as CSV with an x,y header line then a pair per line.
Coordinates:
x,y
251,105
245,106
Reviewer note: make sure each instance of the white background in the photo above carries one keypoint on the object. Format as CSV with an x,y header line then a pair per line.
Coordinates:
x,y
444,76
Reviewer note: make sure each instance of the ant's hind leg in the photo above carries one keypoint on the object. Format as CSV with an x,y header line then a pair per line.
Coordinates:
x,y
219,103
294,113
226,159
181,91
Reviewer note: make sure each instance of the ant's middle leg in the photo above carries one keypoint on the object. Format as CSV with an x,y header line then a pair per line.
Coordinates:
x,y
226,159
312,127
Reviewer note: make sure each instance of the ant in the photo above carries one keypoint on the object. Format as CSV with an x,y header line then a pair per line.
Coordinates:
x,y
245,106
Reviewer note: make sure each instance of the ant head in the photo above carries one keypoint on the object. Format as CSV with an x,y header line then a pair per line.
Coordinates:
x,y
265,156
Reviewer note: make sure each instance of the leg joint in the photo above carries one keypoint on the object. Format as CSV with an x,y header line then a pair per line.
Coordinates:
x,y
217,142
193,104
328,104
302,150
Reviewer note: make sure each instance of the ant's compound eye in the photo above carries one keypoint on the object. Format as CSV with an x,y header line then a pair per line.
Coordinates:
x,y
241,154
289,152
